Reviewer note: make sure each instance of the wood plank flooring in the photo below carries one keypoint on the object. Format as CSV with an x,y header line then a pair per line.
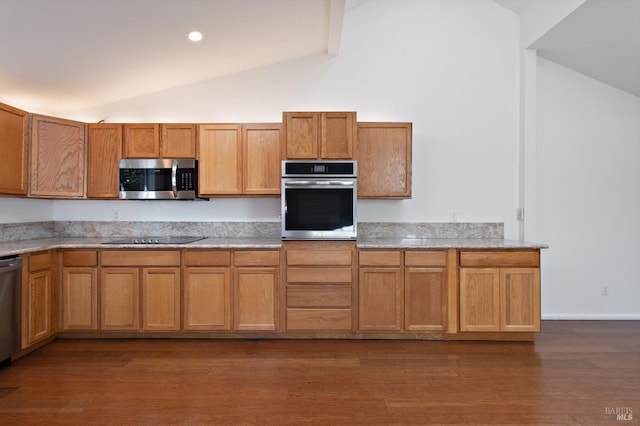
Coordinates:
x,y
576,372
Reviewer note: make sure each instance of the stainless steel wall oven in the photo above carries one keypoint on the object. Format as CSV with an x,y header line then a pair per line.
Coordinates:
x,y
318,199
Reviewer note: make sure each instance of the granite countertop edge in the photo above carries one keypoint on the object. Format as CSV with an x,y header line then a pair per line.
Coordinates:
x,y
10,248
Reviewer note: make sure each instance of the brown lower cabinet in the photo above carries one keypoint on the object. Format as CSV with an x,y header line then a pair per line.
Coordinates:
x,y
500,291
403,291
207,290
140,290
256,282
79,290
38,295
323,287
320,285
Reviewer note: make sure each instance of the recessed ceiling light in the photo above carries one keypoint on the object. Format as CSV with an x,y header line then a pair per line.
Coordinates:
x,y
194,36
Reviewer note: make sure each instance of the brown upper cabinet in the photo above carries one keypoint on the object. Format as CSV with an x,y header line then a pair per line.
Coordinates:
x,y
104,150
14,144
261,158
239,159
384,160
57,157
178,140
220,159
320,135
159,141
141,141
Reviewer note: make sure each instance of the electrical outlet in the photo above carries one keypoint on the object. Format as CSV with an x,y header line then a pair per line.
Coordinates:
x,y
453,217
115,215
605,290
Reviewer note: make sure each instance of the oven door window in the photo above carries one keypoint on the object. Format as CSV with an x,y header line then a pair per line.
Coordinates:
x,y
145,179
319,209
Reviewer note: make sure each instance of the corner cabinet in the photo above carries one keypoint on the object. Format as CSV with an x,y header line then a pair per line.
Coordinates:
x,y
57,158
14,145
500,291
384,160
320,135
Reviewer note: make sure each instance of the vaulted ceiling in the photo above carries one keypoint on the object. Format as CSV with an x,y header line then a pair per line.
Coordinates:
x,y
72,54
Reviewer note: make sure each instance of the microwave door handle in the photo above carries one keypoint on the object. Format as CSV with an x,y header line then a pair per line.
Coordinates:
x,y
174,178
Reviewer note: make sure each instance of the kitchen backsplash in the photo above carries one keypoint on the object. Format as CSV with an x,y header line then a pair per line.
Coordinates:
x,y
32,230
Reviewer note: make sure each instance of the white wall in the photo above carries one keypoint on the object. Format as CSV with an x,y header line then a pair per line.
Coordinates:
x,y
588,195
17,210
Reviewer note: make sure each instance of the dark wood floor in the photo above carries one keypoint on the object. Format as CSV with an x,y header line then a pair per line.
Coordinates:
x,y
576,372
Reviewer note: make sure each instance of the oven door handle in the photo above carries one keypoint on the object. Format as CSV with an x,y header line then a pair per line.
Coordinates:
x,y
312,183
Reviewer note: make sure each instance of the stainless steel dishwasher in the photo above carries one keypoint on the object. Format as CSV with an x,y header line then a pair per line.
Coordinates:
x,y
10,312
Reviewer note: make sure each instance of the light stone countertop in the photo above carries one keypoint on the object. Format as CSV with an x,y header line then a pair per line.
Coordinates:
x,y
29,246
445,243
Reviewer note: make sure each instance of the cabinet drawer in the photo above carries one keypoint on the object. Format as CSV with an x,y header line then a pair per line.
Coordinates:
x,y
380,258
140,258
39,261
318,319
314,296
256,258
207,258
319,275
497,258
425,258
318,257
80,258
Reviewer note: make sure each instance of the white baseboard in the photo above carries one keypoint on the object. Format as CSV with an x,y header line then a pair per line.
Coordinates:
x,y
589,317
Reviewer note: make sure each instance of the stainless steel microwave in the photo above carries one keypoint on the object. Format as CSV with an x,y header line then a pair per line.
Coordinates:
x,y
318,200
158,179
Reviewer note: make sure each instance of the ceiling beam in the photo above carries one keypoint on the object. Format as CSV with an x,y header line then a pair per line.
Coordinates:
x,y
335,18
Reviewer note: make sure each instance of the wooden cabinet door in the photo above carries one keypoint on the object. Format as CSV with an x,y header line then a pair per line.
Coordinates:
x,y
178,140
520,299
57,157
220,159
255,296
261,165
119,298
80,298
141,141
325,135
104,150
338,135
380,299
38,304
479,299
384,160
161,298
14,145
425,299
207,299
301,135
